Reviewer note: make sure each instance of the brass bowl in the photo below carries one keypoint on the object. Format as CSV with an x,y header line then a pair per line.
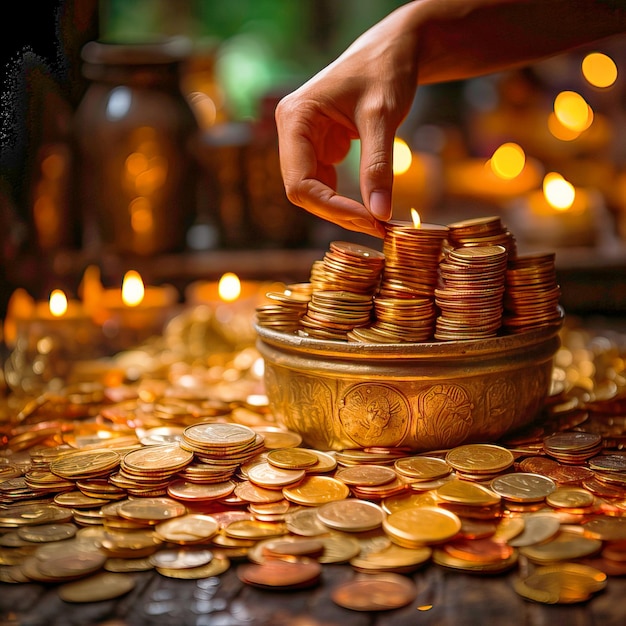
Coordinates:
x,y
422,396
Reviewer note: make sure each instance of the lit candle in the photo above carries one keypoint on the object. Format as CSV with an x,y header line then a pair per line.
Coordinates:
x,y
231,304
415,224
558,214
131,314
62,320
504,176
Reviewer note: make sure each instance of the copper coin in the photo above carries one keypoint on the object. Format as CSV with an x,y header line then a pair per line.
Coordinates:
x,y
277,573
380,592
484,550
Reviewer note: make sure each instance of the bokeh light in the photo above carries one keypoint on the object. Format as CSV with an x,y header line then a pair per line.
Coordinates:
x,y
572,110
559,193
508,161
599,70
402,156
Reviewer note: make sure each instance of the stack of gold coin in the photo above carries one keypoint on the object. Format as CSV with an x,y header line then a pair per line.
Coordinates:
x,y
348,267
285,311
573,447
412,258
532,293
222,443
148,470
403,319
479,461
469,500
332,314
482,231
83,464
470,300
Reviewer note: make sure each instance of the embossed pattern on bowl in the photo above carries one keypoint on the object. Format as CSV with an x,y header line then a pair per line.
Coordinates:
x,y
423,396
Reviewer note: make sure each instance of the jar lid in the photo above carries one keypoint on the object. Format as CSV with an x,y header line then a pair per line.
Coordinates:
x,y
153,52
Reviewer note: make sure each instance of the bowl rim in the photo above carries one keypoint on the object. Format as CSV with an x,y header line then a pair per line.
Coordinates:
x,y
501,344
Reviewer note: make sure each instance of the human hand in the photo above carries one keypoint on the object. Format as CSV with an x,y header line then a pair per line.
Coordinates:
x,y
365,94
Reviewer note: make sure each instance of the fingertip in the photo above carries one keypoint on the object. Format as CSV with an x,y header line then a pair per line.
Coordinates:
x,y
380,204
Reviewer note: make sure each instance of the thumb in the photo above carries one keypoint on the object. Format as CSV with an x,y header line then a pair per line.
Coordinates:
x,y
376,169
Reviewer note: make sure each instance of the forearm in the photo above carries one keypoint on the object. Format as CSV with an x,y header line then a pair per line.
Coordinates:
x,y
457,39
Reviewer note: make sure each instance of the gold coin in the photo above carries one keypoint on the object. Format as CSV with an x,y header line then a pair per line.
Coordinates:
x,y
523,487
408,500
315,490
249,492
78,500
190,528
339,548
443,558
194,492
305,522
121,565
326,462
219,435
480,458
286,547
420,526
278,573
565,583
270,477
165,458
44,533
422,467
570,498
291,458
380,592
392,558
605,528
31,514
253,529
73,561
150,510
564,546
351,515
366,475
85,463
464,492
101,586
218,565
507,528
538,527
275,438
181,558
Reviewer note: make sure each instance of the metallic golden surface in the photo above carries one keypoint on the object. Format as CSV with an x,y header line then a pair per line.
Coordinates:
x,y
422,396
100,586
380,592
419,526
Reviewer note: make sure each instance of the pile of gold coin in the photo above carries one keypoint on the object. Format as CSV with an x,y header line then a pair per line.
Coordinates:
x,y
532,292
432,282
213,482
130,504
470,298
482,231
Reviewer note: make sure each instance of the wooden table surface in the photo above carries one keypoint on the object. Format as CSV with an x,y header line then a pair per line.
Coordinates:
x,y
457,599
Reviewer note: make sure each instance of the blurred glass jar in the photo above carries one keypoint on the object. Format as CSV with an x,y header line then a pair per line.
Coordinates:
x,y
135,137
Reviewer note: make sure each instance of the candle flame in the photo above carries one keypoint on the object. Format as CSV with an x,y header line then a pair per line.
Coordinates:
x,y
133,289
559,193
58,303
229,287
415,216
